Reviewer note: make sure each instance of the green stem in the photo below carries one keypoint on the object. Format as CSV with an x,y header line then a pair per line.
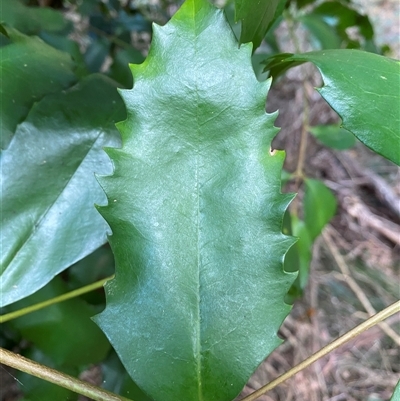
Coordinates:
x,y
61,298
372,321
60,379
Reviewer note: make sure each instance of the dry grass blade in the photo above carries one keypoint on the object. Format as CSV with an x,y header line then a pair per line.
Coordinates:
x,y
355,287
372,321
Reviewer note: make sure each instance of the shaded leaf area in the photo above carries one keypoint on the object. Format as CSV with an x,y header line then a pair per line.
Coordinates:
x,y
319,206
298,258
31,20
62,331
321,31
3,30
329,24
61,336
196,214
117,380
35,389
29,69
333,136
48,219
257,18
363,88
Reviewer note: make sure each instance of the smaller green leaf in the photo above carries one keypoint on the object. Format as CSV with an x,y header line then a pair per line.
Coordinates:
x,y
333,136
96,54
63,331
29,69
31,20
344,16
321,31
48,221
292,260
257,17
299,256
363,88
3,31
278,64
119,69
304,249
319,206
396,394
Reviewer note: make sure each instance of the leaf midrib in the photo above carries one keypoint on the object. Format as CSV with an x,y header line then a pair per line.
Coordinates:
x,y
198,129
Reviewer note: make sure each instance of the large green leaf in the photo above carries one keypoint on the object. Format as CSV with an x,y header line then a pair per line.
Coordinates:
x,y
257,17
363,88
196,213
29,69
48,186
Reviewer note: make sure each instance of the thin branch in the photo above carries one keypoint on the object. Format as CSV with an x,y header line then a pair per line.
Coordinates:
x,y
372,321
75,293
60,379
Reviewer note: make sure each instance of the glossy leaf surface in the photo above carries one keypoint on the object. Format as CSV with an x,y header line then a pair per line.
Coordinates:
x,y
319,207
256,17
196,212
363,88
48,221
29,69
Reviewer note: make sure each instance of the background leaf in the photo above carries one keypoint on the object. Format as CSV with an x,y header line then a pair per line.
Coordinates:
x,y
63,331
196,214
299,258
48,219
319,206
363,88
29,69
323,33
35,389
333,136
256,18
31,20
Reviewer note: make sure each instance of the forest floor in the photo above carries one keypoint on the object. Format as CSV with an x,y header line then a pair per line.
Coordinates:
x,y
356,261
